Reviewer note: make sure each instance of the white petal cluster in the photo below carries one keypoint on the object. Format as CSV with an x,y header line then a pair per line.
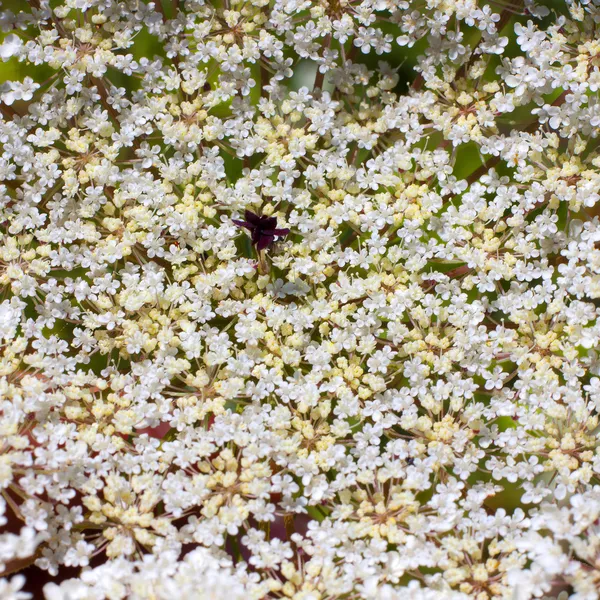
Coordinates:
x,y
398,398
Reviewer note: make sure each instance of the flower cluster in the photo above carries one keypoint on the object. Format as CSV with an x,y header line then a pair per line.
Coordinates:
x,y
283,317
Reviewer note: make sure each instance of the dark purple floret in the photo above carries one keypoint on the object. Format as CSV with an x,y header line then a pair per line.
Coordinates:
x,y
263,230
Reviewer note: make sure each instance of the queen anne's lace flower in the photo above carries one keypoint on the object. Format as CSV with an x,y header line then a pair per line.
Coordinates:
x,y
381,382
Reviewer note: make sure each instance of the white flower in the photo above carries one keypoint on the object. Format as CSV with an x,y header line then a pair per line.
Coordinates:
x,y
11,589
9,319
10,46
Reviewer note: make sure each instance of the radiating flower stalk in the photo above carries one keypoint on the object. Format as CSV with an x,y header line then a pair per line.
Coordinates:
x,y
299,300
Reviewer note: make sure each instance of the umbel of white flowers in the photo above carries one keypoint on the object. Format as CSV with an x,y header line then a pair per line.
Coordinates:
x,y
382,382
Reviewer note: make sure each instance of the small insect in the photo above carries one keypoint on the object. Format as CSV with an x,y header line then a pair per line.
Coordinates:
x,y
263,229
